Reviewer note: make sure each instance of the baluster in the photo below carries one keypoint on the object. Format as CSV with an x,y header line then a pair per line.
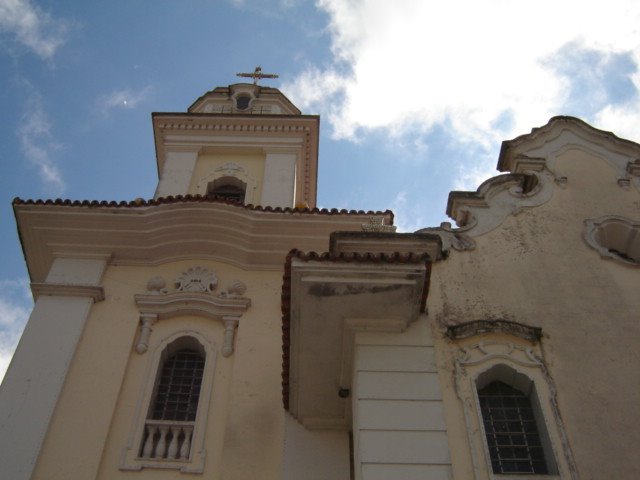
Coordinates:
x,y
186,443
147,451
161,448
173,446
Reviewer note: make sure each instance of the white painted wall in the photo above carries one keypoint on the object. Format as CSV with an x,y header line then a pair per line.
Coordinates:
x,y
278,187
399,429
176,174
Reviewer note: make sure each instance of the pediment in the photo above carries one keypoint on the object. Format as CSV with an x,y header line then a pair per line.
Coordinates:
x,y
538,149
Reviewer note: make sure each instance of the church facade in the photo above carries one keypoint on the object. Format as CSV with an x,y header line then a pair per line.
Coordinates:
x,y
229,329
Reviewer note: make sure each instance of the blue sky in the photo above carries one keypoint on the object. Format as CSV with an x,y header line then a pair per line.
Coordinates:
x,y
415,96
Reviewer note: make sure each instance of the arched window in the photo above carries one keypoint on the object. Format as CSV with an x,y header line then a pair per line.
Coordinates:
x,y
178,388
229,188
515,434
174,404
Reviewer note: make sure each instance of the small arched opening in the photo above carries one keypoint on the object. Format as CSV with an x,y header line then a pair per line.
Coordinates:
x,y
228,188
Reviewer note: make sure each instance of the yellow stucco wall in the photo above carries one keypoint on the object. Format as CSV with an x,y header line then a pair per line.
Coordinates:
x,y
251,162
98,403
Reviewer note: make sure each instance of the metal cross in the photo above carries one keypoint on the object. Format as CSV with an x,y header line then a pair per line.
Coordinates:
x,y
257,75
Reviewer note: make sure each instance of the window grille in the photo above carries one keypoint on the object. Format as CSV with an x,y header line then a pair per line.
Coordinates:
x,y
179,387
229,192
512,433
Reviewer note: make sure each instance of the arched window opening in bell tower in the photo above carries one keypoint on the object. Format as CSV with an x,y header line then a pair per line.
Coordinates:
x,y
228,188
243,102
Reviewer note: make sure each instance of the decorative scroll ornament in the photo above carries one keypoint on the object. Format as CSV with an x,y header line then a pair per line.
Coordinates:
x,y
482,352
197,279
451,238
237,289
231,169
156,286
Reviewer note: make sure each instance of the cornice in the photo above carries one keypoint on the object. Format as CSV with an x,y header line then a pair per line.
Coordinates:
x,y
195,199
164,230
229,122
191,303
346,292
66,290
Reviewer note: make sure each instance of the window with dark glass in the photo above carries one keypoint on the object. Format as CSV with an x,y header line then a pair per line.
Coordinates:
x,y
229,188
513,437
178,388
242,102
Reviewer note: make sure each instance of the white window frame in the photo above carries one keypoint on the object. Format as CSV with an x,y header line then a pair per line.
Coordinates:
x,y
131,459
494,352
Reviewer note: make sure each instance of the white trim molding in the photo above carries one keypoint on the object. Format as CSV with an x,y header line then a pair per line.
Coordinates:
x,y
95,292
522,362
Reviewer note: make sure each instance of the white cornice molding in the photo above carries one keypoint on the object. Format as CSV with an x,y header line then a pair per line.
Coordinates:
x,y
156,234
191,303
67,290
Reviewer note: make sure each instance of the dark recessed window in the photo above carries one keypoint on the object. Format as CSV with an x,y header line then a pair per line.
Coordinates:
x,y
513,439
242,102
178,388
228,188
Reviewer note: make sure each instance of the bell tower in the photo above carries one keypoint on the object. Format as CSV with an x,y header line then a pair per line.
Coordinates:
x,y
245,142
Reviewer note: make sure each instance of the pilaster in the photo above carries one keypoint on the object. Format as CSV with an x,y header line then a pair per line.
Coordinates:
x,y
278,188
33,382
177,171
398,419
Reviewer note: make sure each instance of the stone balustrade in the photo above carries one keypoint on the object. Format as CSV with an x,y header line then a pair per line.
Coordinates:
x,y
167,440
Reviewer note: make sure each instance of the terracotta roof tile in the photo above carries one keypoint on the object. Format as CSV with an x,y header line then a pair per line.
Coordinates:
x,y
194,199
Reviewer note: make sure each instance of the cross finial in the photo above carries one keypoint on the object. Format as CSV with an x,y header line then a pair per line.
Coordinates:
x,y
257,75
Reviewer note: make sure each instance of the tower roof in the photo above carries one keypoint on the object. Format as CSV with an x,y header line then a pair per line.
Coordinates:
x,y
259,100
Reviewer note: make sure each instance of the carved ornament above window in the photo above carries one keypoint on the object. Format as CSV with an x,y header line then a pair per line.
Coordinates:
x,y
193,295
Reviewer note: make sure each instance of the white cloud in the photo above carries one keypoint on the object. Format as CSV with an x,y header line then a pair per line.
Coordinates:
x,y
32,27
407,217
14,311
38,143
484,71
125,98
